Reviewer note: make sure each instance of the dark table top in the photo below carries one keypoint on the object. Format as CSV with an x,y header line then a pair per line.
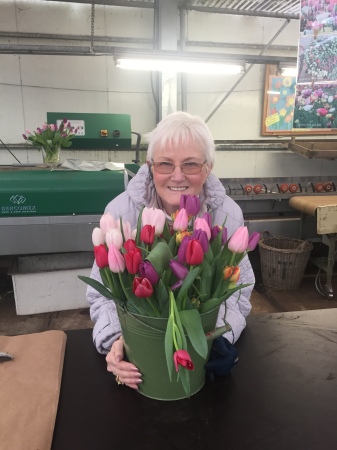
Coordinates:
x,y
281,395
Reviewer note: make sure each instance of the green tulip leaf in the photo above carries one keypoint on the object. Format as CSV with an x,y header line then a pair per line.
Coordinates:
x,y
97,286
188,281
190,318
160,257
169,346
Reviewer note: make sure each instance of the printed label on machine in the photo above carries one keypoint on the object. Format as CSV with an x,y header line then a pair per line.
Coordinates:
x,y
78,126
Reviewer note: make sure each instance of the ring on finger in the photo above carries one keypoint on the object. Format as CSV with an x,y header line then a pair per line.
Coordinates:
x,y
118,380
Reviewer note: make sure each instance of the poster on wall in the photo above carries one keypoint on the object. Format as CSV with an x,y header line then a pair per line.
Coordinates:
x,y
317,50
292,109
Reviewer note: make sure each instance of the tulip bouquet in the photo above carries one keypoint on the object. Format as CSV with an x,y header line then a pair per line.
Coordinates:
x,y
177,271
51,138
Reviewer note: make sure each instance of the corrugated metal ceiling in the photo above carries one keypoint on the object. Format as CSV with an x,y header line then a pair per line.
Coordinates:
x,y
265,8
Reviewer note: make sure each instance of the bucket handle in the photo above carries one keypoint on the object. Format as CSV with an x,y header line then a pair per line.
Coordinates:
x,y
210,335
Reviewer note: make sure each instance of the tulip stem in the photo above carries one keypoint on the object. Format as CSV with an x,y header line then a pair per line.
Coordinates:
x,y
122,284
153,306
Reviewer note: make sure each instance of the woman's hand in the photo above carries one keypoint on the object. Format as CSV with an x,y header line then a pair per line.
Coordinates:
x,y
126,372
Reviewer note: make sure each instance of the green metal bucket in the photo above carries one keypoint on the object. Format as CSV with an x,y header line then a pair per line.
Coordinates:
x,y
144,347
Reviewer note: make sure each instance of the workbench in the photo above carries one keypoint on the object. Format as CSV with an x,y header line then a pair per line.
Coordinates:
x,y
324,209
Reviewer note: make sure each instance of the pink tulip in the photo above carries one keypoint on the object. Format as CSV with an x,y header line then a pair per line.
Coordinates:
x,y
28,131
126,229
181,221
154,217
107,222
97,237
239,240
114,237
44,126
116,260
201,224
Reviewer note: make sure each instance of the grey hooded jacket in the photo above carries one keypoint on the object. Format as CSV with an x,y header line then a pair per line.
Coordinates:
x,y
141,192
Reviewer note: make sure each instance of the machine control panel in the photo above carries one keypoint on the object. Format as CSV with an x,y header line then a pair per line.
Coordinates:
x,y
96,131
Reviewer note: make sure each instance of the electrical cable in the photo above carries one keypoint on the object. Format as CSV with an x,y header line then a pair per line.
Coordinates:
x,y
9,151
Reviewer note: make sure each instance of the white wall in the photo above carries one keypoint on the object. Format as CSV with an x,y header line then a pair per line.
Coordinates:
x,y
32,85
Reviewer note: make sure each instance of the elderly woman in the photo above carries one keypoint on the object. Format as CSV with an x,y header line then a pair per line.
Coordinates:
x,y
180,158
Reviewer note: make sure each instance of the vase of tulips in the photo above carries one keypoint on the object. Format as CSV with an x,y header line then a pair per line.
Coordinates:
x,y
168,282
51,138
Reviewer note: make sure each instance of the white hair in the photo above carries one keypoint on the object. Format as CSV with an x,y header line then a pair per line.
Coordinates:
x,y
178,128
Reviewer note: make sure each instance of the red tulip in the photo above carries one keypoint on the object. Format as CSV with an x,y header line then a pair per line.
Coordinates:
x,y
101,256
183,358
130,244
147,234
194,253
132,259
142,287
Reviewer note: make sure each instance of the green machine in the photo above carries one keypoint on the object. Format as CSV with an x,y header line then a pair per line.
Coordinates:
x,y
97,131
53,211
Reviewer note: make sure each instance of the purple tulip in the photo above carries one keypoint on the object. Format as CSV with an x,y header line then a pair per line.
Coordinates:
x,y
146,270
216,230
24,137
253,241
201,224
224,235
201,236
182,249
179,270
239,240
176,285
191,203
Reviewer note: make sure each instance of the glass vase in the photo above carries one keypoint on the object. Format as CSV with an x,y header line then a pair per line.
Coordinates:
x,y
51,157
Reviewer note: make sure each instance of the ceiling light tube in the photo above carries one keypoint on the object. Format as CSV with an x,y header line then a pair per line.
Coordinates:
x,y
178,65
289,71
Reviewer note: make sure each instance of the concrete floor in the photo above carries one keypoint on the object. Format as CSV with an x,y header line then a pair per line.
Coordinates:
x,y
263,301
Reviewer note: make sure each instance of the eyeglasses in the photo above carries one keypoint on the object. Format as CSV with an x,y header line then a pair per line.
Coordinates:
x,y
187,168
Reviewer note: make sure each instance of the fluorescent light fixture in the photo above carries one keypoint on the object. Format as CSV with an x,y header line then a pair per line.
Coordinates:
x,y
178,65
289,71
273,92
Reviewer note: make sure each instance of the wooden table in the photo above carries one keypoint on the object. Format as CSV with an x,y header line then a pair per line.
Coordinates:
x,y
281,395
324,209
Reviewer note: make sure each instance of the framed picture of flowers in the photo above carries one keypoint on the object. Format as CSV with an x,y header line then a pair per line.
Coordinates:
x,y
292,109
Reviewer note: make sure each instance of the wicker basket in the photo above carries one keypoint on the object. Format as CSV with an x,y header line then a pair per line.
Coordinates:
x,y
283,261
